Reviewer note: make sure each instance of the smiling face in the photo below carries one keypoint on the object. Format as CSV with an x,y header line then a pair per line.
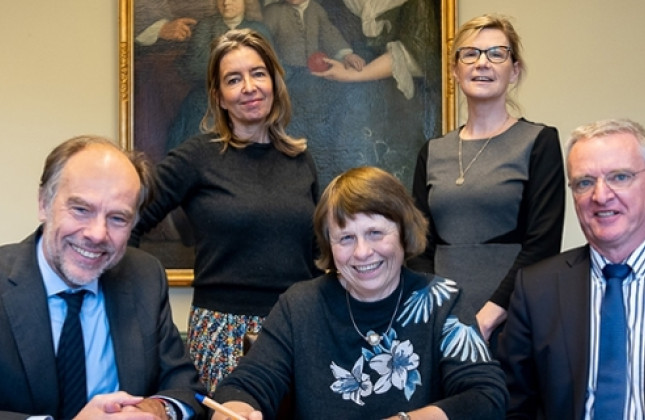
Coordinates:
x,y
88,221
368,255
245,89
483,80
613,221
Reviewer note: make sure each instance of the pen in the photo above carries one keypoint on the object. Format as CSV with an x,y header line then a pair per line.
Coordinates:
x,y
218,407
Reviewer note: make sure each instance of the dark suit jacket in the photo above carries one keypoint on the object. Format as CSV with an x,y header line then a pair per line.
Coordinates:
x,y
544,348
150,355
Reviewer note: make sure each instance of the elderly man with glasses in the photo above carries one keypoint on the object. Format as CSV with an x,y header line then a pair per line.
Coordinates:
x,y
573,344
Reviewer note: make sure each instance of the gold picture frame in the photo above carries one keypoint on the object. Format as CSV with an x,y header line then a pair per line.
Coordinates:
x,y
182,276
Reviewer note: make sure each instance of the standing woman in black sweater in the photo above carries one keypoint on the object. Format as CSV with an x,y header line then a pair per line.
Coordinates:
x,y
249,191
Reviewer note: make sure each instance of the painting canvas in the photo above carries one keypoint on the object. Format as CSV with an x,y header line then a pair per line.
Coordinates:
x,y
381,120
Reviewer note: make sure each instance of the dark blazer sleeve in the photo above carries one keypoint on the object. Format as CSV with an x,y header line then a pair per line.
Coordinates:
x,y
28,384
151,356
543,348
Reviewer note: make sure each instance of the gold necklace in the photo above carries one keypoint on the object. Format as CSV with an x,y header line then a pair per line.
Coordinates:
x,y
462,172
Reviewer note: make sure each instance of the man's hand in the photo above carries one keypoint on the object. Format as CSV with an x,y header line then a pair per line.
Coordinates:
x,y
107,406
178,30
154,406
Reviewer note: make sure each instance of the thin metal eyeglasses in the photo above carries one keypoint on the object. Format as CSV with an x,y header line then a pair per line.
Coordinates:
x,y
497,54
615,180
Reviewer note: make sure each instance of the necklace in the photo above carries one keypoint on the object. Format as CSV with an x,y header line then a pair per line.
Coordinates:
x,y
462,172
372,338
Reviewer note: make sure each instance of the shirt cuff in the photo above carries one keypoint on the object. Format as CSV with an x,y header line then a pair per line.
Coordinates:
x,y
185,411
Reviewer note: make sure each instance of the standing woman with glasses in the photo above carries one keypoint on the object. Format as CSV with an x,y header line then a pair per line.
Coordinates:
x,y
493,190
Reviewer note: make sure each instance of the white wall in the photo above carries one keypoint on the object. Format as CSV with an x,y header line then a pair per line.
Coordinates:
x,y
58,75
58,78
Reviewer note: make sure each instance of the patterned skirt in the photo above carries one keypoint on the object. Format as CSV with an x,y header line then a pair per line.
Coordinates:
x,y
215,342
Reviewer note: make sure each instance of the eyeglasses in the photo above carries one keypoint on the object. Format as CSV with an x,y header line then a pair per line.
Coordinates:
x,y
615,180
497,55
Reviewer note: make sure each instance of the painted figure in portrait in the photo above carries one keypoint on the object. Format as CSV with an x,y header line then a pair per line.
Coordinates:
x,y
373,99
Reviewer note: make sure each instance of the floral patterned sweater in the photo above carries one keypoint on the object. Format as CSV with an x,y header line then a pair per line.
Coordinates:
x,y
309,347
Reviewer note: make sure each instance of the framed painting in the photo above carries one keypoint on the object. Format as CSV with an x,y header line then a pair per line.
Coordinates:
x,y
381,121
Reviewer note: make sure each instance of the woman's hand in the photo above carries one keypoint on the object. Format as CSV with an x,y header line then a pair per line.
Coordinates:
x,y
377,69
243,409
489,317
337,71
429,412
353,61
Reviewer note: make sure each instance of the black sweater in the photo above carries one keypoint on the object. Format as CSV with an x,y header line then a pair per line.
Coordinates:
x,y
309,345
251,212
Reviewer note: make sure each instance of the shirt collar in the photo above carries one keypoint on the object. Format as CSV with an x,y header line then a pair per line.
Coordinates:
x,y
636,260
234,22
301,7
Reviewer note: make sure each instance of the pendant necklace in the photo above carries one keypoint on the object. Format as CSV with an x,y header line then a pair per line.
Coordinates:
x,y
372,338
462,172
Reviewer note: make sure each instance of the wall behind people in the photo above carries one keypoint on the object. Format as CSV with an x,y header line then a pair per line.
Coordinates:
x,y
59,78
583,65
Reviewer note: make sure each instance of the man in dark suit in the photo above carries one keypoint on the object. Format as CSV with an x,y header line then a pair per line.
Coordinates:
x,y
135,364
555,349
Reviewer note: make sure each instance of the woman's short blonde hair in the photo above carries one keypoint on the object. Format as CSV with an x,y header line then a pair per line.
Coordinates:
x,y
373,191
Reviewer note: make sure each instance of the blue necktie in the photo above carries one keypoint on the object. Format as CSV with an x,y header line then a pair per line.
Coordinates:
x,y
70,359
611,384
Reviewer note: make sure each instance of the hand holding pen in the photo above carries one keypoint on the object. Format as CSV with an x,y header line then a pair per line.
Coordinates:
x,y
222,412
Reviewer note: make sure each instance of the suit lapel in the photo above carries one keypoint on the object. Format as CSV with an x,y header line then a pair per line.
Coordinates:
x,y
125,330
574,301
25,301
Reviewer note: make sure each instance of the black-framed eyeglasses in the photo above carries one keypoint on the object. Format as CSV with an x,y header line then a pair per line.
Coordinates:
x,y
497,54
615,180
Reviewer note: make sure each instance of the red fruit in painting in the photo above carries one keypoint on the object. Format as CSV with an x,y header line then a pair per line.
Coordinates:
x,y
316,63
